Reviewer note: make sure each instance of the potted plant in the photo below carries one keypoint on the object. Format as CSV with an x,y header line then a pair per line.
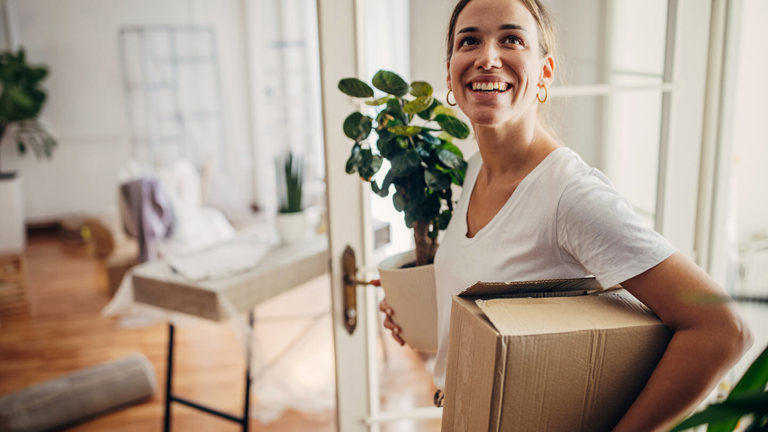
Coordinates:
x,y
415,136
291,220
21,99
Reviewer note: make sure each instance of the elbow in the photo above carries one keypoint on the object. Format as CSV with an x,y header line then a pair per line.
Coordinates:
x,y
745,338
737,338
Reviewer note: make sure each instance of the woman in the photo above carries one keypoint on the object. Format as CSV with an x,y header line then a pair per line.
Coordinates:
x,y
532,209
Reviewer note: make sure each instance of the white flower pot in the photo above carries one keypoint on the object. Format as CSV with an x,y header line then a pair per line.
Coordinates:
x,y
12,230
291,226
411,294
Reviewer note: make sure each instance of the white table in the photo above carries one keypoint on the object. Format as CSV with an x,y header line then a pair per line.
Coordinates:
x,y
155,283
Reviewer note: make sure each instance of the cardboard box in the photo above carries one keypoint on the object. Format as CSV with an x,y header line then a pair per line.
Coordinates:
x,y
566,357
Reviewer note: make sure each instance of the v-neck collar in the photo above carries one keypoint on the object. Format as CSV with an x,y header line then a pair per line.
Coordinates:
x,y
530,177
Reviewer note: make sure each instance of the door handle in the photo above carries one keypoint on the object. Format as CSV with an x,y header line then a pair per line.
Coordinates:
x,y
350,282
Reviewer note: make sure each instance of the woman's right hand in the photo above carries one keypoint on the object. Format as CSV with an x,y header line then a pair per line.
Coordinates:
x,y
390,323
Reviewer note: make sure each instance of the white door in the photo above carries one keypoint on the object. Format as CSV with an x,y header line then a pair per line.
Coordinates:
x,y
337,30
656,165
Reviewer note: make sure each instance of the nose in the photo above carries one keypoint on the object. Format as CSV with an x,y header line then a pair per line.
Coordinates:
x,y
488,57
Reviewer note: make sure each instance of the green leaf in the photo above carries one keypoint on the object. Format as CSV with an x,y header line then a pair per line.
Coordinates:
x,y
417,191
354,160
417,105
427,113
445,137
396,110
398,201
387,147
22,147
366,167
357,126
429,139
711,414
383,191
379,101
404,130
422,151
421,88
435,180
457,176
754,379
450,159
452,148
355,88
390,82
442,109
732,409
452,125
445,218
405,163
20,98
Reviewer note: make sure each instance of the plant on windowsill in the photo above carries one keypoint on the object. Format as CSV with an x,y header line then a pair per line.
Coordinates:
x,y
291,220
21,99
416,136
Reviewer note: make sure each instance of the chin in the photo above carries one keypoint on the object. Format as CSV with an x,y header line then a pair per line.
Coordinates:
x,y
485,118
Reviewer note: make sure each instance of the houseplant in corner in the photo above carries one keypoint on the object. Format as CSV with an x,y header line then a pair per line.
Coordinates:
x,y
291,220
21,99
415,135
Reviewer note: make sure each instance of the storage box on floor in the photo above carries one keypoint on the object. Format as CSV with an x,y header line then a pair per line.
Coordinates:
x,y
556,360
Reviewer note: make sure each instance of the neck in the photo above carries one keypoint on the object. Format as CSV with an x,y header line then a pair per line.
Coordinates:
x,y
510,150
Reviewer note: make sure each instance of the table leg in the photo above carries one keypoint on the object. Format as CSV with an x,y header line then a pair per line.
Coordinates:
x,y
168,379
248,348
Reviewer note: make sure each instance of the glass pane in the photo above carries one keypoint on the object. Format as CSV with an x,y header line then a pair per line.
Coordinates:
x,y
743,256
386,20
628,126
601,40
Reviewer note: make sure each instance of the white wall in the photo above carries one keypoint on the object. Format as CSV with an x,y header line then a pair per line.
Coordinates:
x,y
428,27
86,110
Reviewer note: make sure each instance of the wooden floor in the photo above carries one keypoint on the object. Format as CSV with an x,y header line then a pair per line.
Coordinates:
x,y
59,329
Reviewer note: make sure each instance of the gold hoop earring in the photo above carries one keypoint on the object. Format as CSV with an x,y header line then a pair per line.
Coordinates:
x,y
546,94
447,100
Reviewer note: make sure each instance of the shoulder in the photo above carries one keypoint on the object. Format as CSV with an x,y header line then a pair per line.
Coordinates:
x,y
474,161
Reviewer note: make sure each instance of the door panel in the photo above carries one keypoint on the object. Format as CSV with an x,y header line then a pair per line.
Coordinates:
x,y
338,59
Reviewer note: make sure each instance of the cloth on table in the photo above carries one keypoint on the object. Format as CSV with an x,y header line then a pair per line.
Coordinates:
x,y
147,214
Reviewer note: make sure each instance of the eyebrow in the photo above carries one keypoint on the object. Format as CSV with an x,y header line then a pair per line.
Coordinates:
x,y
501,27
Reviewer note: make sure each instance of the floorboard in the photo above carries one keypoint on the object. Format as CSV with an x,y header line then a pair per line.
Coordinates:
x,y
59,329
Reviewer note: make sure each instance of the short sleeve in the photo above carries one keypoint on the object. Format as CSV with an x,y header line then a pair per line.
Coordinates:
x,y
600,230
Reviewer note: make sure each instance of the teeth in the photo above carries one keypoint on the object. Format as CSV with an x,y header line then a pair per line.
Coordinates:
x,y
487,86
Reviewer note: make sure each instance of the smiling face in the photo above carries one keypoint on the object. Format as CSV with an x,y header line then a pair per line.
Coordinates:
x,y
497,64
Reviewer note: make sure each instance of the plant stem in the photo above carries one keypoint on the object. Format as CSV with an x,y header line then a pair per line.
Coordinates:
x,y
425,245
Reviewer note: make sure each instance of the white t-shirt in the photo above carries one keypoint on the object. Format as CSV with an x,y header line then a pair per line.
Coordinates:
x,y
564,220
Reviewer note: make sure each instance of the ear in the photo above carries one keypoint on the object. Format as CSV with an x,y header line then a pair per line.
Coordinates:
x,y
448,74
547,71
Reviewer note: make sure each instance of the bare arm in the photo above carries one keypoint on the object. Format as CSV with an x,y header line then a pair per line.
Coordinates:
x,y
708,339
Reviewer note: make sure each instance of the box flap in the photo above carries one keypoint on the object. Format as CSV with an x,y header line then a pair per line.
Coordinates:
x,y
537,286
531,316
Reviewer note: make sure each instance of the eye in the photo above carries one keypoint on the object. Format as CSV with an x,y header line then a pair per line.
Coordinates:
x,y
512,39
469,40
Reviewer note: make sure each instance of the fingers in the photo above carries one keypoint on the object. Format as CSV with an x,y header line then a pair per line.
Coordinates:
x,y
398,339
384,307
389,323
